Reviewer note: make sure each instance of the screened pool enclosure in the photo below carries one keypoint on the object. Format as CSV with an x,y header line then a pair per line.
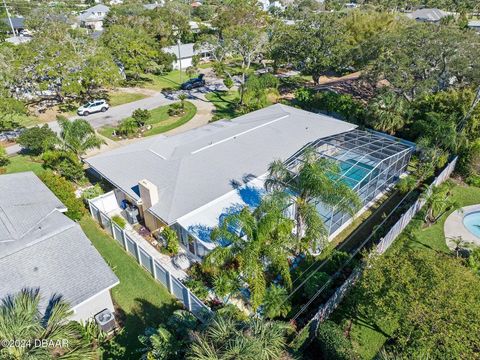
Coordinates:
x,y
370,162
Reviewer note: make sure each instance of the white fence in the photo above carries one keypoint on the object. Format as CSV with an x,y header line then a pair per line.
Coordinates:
x,y
162,275
332,303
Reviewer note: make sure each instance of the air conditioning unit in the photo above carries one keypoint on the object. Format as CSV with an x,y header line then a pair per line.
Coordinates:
x,y
106,320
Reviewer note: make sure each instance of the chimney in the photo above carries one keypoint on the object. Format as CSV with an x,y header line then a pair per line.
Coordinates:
x,y
148,193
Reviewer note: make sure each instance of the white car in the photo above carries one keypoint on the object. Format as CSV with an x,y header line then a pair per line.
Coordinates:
x,y
93,107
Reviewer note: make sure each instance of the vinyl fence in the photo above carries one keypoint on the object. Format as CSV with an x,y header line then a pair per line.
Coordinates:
x,y
326,309
162,275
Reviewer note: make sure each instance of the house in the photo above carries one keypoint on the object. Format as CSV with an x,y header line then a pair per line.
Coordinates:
x,y
93,17
428,15
184,54
41,248
154,5
191,181
474,24
17,23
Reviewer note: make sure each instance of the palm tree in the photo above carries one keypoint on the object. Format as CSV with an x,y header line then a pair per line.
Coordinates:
x,y
316,180
438,201
387,113
20,318
78,136
182,97
260,241
226,284
275,303
226,338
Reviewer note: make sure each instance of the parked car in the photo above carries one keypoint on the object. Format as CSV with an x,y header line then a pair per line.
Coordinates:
x,y
93,107
193,83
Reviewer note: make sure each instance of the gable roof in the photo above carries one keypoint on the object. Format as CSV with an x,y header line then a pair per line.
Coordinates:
x,y
41,248
431,15
18,23
186,50
91,13
196,167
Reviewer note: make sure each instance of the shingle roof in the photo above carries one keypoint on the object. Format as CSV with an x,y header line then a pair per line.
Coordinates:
x,y
432,15
196,167
17,22
41,248
186,50
91,13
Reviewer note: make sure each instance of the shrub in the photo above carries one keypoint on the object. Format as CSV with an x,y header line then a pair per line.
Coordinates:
x,y
333,344
141,116
228,82
406,184
38,139
120,221
198,288
315,283
4,160
65,191
337,259
175,109
92,192
473,180
170,236
65,163
128,127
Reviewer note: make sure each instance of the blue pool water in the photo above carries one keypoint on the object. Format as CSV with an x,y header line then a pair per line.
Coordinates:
x,y
472,223
355,173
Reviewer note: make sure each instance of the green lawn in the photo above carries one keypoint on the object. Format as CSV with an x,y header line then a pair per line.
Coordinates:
x,y
172,80
21,163
159,120
224,102
141,300
119,98
367,341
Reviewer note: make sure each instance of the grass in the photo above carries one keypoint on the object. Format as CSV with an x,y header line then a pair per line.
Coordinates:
x,y
21,163
141,300
159,120
172,80
225,104
368,341
119,98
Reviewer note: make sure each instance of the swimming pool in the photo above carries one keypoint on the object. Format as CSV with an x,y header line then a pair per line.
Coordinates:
x,y
472,223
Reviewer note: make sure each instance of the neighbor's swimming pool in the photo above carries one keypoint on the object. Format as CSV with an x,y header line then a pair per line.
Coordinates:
x,y
472,223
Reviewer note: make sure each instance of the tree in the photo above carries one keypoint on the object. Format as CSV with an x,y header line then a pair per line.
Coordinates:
x,y
168,342
13,113
333,343
423,58
22,318
4,160
260,242
128,126
136,50
182,97
275,303
38,139
78,136
430,300
438,201
62,65
316,45
65,191
387,112
314,182
226,338
226,284
141,116
64,163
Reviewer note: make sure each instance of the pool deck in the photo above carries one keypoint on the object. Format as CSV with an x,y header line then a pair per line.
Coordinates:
x,y
454,227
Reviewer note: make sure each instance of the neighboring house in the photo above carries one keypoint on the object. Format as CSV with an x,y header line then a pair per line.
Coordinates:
x,y
41,248
184,54
18,24
154,5
428,15
93,17
191,181
474,24
266,5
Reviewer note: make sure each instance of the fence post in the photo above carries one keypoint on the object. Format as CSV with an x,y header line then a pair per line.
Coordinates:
x,y
137,252
169,281
188,305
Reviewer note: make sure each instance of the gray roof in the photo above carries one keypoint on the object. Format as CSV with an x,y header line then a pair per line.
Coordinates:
x,y
196,167
41,248
186,50
430,15
91,13
17,22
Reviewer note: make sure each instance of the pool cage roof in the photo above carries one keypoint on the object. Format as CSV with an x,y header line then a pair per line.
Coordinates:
x,y
358,153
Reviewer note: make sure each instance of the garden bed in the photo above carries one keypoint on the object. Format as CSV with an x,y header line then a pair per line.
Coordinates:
x,y
159,122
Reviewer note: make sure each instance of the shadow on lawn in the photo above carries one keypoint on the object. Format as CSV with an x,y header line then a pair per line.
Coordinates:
x,y
125,345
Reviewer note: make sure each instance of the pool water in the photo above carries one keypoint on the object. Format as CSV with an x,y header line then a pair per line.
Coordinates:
x,y
472,223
